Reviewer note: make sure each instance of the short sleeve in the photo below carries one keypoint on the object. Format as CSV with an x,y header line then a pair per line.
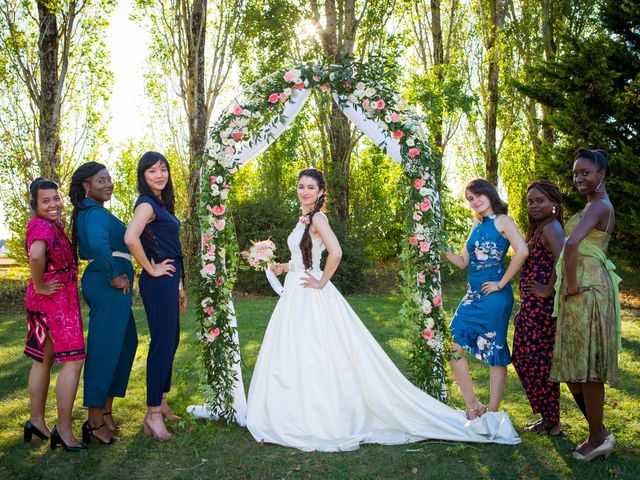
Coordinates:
x,y
40,229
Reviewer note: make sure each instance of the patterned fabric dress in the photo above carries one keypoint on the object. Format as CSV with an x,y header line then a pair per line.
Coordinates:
x,y
480,322
59,314
588,330
534,335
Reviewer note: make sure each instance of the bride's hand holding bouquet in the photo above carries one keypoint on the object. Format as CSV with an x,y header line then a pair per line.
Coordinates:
x,y
261,255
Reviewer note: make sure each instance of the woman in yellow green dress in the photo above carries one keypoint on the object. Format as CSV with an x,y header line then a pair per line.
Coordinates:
x,y
587,305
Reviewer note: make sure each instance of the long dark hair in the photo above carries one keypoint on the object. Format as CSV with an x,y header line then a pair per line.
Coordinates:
x,y
599,157
37,185
167,197
77,193
552,192
305,243
480,186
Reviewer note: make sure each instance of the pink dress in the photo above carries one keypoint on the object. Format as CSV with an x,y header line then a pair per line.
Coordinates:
x,y
56,315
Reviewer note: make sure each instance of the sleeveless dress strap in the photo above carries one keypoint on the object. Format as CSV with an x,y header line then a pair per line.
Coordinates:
x,y
323,214
609,221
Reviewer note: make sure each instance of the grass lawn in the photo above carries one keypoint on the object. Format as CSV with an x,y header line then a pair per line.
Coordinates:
x,y
205,449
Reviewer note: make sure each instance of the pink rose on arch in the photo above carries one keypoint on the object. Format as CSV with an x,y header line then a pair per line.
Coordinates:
x,y
426,307
238,110
366,103
347,83
421,277
417,216
289,76
325,87
437,301
212,180
206,238
427,334
413,241
209,311
398,134
425,246
273,98
283,97
360,86
209,269
218,210
418,183
219,282
299,86
425,206
413,152
435,270
211,250
380,104
316,78
395,117
220,224
213,334
237,136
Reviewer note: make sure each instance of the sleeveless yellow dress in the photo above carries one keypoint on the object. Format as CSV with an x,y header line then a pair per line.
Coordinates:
x,y
588,325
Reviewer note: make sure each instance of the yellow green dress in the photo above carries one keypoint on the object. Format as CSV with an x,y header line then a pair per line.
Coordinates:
x,y
588,325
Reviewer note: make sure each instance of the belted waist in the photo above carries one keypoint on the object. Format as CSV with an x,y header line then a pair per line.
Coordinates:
x,y
116,253
300,268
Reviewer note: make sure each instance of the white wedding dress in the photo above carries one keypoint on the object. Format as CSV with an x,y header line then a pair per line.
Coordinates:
x,y
322,382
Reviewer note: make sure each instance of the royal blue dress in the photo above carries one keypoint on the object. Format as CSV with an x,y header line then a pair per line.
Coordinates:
x,y
480,322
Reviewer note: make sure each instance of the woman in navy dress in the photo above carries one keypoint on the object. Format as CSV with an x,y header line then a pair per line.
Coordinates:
x,y
153,238
98,236
480,323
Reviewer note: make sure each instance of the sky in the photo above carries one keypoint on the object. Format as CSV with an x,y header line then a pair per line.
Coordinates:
x,y
128,45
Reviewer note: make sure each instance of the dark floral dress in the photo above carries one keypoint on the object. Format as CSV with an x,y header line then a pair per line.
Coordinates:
x,y
480,322
534,336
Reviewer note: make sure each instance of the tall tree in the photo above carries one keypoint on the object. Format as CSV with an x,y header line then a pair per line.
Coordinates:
x,y
194,44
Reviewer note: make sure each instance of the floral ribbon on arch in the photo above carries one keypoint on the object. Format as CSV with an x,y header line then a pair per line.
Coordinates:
x,y
246,128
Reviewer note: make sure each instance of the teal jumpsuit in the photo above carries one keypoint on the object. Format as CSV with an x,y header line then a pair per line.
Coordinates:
x,y
112,340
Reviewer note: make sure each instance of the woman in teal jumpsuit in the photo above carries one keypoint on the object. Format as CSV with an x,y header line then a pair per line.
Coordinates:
x,y
112,341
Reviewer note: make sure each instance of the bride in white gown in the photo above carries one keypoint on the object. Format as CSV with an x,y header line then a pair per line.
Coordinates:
x,y
321,381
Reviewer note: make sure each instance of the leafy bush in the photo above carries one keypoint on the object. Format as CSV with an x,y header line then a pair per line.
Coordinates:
x,y
12,292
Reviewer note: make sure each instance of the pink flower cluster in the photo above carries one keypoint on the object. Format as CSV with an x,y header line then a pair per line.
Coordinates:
x,y
213,334
260,255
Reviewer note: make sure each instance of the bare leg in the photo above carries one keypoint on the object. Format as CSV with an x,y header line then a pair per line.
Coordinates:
x,y
462,376
594,401
66,388
166,411
107,416
154,424
98,424
39,379
497,377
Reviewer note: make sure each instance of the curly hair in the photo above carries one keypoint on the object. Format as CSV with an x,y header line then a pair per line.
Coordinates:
x,y
305,243
552,192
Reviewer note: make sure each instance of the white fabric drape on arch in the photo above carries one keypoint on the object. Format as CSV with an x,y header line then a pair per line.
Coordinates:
x,y
250,150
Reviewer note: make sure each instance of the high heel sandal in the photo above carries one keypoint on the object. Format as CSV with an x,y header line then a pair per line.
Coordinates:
x,y
169,415
115,427
56,440
30,430
149,430
602,450
87,433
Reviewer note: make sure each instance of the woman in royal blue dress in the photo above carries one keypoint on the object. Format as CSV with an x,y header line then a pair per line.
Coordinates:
x,y
153,237
479,325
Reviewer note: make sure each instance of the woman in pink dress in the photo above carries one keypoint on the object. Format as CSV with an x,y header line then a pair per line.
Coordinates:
x,y
54,321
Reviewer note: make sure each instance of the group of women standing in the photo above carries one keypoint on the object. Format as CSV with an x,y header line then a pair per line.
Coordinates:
x,y
54,319
568,326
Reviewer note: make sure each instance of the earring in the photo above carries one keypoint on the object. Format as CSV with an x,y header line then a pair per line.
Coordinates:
x,y
86,193
553,210
599,187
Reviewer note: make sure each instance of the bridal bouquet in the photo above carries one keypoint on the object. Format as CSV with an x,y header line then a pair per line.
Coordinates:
x,y
261,254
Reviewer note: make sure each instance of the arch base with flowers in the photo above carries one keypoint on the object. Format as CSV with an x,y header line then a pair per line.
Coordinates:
x,y
252,122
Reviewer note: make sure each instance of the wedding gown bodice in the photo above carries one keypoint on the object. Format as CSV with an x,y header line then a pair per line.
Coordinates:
x,y
293,241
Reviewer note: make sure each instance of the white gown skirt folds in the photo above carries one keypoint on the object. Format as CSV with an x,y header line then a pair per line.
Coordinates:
x,y
322,382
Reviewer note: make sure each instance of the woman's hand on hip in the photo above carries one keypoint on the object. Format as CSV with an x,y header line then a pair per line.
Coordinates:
x,y
490,287
162,268
309,281
122,281
49,288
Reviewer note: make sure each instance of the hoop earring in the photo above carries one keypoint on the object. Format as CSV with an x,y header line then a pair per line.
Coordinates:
x,y
599,187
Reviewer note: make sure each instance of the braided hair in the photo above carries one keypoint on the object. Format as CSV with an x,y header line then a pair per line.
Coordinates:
x,y
37,185
305,243
77,193
552,192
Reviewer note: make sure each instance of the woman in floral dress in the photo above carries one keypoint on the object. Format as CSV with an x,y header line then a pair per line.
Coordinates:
x,y
479,325
535,327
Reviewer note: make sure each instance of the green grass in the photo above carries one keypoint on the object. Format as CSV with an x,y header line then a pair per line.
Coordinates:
x,y
204,449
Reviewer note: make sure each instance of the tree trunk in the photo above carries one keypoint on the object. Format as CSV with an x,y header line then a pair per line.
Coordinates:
x,y
438,63
49,131
550,55
197,115
491,119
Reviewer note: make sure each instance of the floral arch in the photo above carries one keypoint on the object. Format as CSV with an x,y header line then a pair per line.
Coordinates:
x,y
246,128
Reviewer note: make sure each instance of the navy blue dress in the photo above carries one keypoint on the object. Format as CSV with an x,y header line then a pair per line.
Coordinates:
x,y
480,322
160,296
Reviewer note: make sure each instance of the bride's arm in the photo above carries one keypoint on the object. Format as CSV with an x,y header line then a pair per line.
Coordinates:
x,y
321,227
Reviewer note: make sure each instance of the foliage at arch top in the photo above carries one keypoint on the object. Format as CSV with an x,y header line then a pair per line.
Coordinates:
x,y
249,121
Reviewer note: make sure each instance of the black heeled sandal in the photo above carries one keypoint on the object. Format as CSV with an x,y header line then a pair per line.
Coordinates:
x,y
87,433
56,440
116,427
30,430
